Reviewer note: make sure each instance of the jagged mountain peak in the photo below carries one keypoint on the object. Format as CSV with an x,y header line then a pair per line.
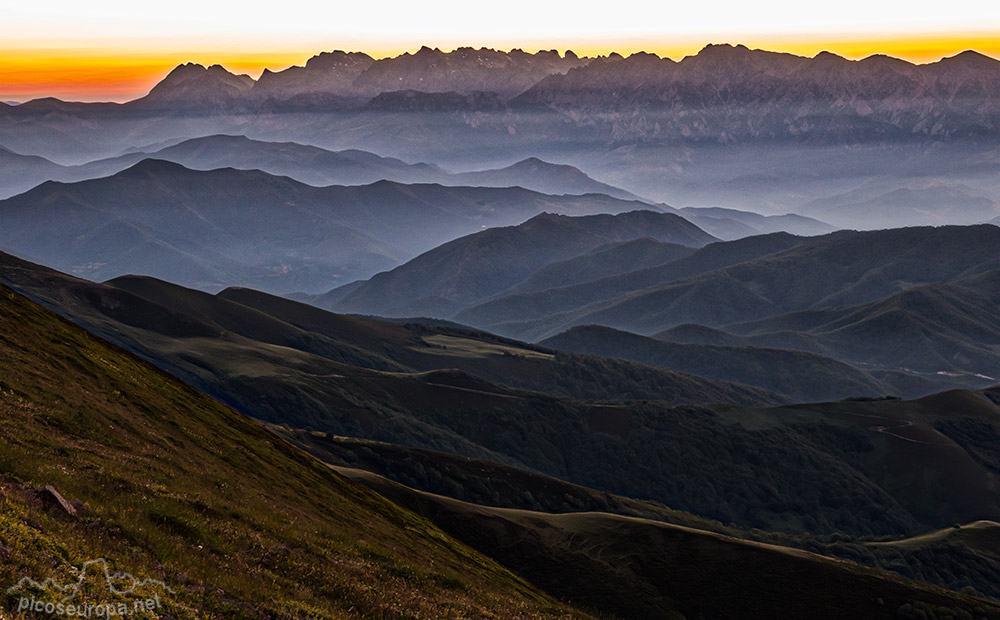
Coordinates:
x,y
338,58
192,70
193,83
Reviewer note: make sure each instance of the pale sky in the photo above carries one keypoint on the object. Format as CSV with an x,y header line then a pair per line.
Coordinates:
x,y
394,23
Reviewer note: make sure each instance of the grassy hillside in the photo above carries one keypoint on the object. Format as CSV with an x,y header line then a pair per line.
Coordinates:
x,y
480,482
177,487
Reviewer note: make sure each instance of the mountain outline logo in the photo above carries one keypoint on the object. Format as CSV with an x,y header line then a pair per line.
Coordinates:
x,y
70,590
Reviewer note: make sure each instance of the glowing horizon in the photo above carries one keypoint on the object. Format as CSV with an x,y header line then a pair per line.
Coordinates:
x,y
116,50
94,74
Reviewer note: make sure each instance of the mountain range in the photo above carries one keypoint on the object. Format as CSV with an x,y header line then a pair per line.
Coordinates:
x,y
225,227
473,394
732,93
308,164
727,92
860,144
915,301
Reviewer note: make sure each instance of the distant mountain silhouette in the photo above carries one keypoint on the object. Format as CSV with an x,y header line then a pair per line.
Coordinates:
x,y
465,70
194,86
328,72
308,164
728,224
934,204
541,176
731,93
212,229
357,76
22,172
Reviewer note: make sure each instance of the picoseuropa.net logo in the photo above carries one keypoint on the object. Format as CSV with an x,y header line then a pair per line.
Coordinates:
x,y
96,593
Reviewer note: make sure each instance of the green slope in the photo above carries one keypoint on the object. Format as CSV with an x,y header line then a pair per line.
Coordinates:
x,y
177,487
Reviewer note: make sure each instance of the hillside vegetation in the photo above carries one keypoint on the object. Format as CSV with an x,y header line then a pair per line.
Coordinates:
x,y
178,487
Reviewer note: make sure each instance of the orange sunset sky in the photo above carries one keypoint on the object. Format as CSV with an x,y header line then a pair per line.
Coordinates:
x,y
113,50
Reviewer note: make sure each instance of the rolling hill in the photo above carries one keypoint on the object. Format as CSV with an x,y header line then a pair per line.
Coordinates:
x,y
841,269
800,376
931,329
603,262
960,557
729,224
478,266
209,339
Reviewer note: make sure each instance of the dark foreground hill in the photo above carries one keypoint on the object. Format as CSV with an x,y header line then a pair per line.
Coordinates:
x,y
214,341
592,558
176,487
962,558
